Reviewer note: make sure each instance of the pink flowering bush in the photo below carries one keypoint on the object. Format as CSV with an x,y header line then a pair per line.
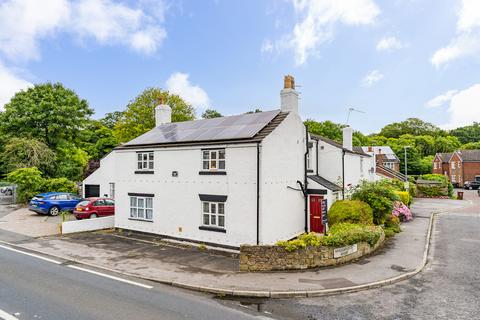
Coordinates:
x,y
401,211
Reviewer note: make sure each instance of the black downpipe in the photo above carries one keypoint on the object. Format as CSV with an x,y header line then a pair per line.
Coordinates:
x,y
316,160
258,193
305,183
343,174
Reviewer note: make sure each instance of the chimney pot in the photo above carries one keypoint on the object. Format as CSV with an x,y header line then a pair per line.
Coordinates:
x,y
163,113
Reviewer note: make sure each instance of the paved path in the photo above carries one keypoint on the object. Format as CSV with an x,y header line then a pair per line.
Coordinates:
x,y
31,288
448,288
195,269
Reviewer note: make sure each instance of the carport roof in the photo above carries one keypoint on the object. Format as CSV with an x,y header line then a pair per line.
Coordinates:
x,y
326,183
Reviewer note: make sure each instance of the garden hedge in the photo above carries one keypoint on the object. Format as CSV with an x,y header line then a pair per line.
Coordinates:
x,y
352,211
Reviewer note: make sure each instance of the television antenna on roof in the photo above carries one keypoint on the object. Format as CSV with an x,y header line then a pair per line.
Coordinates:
x,y
350,110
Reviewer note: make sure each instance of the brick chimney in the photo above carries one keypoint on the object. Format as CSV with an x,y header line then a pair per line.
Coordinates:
x,y
163,113
288,95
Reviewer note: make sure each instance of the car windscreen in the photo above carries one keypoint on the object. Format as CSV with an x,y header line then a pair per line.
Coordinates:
x,y
83,203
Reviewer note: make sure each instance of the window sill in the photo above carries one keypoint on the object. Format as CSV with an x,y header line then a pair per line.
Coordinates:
x,y
138,219
144,172
214,229
212,173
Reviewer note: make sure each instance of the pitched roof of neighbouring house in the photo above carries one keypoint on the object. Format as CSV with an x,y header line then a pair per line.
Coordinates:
x,y
253,127
326,183
470,155
445,157
355,150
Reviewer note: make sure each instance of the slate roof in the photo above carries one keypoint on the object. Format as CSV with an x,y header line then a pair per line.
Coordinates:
x,y
387,151
242,128
326,183
470,155
356,150
445,157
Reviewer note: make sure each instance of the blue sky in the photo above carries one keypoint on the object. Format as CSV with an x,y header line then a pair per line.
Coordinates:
x,y
392,59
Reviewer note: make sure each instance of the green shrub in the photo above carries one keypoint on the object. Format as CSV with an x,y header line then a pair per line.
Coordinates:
x,y
29,182
379,197
344,234
59,185
389,232
392,223
404,197
435,177
311,239
292,245
353,211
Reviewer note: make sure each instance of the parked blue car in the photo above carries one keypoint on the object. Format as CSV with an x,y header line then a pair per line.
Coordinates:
x,y
53,202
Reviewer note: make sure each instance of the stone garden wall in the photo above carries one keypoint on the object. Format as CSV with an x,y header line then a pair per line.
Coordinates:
x,y
275,258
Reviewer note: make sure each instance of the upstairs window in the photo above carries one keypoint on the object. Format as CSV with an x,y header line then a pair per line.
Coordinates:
x,y
213,160
145,161
453,164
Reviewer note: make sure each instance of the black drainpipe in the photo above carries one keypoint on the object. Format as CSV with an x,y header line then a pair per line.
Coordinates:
x,y
343,174
316,160
258,193
305,194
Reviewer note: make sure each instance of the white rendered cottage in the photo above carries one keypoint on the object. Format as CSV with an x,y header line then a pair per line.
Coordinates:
x,y
225,181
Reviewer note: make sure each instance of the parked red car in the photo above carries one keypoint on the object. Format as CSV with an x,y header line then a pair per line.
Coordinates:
x,y
94,208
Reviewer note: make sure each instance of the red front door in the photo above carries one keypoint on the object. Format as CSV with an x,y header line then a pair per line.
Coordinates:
x,y
316,214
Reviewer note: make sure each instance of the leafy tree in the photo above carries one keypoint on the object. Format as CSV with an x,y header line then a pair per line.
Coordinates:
x,y
72,162
254,111
25,153
59,185
210,114
139,116
111,119
97,139
425,145
467,134
326,129
412,126
471,146
48,112
446,144
29,182
359,139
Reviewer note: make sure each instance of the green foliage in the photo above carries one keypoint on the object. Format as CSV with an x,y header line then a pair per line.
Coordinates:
x,y
352,211
72,163
29,182
210,114
311,239
98,140
26,153
59,185
139,116
326,129
404,197
47,112
435,177
344,234
467,134
392,224
413,126
379,197
471,146
110,119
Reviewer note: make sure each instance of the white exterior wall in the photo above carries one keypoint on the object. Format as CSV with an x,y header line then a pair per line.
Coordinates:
x,y
177,206
282,210
104,175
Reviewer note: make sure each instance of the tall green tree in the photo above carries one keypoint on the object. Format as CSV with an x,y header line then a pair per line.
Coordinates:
x,y
412,126
25,153
467,134
211,113
47,112
328,129
139,116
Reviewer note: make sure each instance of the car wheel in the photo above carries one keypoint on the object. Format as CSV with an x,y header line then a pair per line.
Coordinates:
x,y
471,188
54,211
78,218
93,216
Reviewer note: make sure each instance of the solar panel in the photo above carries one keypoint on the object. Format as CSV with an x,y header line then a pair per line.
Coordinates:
x,y
224,128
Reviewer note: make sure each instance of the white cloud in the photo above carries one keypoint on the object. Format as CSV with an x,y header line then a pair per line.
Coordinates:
x,y
464,108
267,46
371,78
24,23
389,44
178,83
10,84
441,99
317,21
467,41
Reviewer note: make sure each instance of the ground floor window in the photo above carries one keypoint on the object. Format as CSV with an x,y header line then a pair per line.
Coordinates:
x,y
141,208
213,214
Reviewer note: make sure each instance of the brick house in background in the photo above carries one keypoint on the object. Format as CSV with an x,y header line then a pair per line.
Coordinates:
x,y
384,157
459,166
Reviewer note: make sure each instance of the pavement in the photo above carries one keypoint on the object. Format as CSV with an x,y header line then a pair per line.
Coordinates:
x,y
188,267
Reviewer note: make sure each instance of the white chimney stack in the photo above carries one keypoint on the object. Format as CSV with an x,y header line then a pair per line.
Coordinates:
x,y
348,138
163,113
288,96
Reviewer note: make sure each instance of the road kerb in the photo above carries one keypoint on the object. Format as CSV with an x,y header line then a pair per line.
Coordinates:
x,y
271,294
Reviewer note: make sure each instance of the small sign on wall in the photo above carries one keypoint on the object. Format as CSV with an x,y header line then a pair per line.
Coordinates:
x,y
344,251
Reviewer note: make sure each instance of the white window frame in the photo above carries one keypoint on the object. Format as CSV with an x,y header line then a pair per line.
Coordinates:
x,y
453,165
112,190
145,161
309,164
389,165
214,218
453,178
212,160
141,204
